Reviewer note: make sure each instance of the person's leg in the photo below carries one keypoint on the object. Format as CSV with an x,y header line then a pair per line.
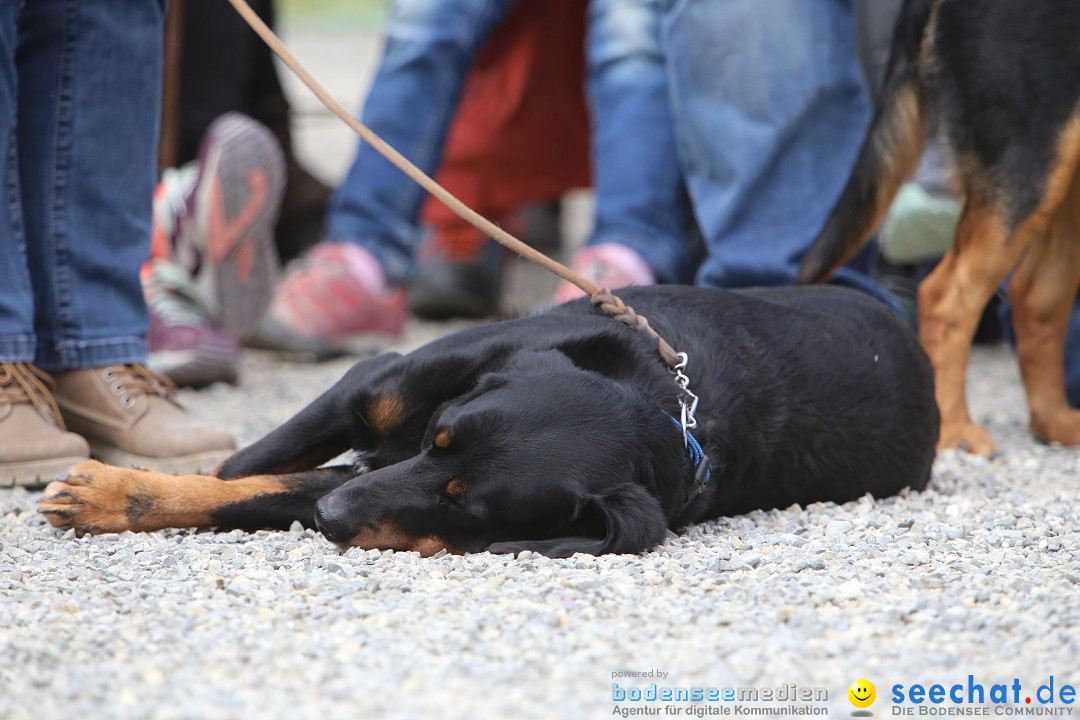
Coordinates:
x,y
213,265
640,199
351,281
226,68
17,341
33,446
219,61
770,110
430,45
519,140
87,172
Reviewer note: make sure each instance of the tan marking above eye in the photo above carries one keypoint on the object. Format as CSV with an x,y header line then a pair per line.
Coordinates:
x,y
443,438
455,487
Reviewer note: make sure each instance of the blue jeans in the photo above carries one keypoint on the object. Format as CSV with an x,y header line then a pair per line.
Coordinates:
x,y
640,198
430,45
760,165
770,109
79,87
758,107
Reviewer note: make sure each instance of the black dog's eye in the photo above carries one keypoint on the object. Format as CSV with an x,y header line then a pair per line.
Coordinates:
x,y
453,492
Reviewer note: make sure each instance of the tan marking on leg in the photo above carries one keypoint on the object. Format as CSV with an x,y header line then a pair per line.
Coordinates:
x,y
388,536
901,147
951,301
386,414
1041,295
1060,182
96,498
952,298
927,59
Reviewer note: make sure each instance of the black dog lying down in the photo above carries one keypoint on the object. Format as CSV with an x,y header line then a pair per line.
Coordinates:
x,y
556,433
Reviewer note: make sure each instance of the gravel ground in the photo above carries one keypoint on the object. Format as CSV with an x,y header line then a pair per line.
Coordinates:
x,y
978,575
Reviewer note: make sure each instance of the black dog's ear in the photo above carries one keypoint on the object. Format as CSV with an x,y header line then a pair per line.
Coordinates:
x,y
538,362
630,518
529,362
314,435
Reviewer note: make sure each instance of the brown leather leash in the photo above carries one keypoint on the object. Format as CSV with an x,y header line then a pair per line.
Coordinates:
x,y
609,303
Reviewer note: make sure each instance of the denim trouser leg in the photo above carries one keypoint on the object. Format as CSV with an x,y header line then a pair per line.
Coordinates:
x,y
770,109
16,298
640,200
429,47
88,77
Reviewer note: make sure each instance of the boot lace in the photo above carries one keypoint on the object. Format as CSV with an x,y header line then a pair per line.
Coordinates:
x,y
24,383
132,381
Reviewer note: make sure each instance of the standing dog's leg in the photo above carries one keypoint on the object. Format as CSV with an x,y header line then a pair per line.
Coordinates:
x,y
1043,289
1041,295
951,300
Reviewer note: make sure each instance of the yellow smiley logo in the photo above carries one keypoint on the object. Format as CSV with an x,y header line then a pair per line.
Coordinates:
x,y
862,693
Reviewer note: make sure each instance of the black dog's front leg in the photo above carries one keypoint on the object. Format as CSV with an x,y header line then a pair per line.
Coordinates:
x,y
295,502
96,498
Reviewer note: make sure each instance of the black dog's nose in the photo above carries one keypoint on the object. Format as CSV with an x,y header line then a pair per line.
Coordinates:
x,y
330,518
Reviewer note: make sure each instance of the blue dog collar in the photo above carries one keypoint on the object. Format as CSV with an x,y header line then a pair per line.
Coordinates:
x,y
702,471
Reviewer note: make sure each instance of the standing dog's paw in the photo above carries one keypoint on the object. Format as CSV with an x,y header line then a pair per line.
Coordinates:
x,y
93,498
968,437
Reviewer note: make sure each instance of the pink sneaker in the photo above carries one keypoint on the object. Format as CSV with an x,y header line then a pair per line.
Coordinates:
x,y
610,266
337,289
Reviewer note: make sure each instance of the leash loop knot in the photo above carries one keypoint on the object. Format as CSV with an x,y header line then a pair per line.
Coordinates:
x,y
612,305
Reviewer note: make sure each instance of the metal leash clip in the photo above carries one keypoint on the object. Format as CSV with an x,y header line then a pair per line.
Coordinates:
x,y
687,409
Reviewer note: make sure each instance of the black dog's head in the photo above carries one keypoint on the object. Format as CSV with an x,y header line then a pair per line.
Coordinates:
x,y
540,456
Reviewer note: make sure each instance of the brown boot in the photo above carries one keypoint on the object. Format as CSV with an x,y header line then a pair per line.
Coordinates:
x,y
34,448
131,417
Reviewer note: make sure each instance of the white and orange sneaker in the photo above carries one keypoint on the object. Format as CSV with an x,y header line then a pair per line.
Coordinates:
x,y
336,290
215,219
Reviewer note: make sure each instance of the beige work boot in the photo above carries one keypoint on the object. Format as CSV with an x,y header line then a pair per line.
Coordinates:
x,y
130,416
34,448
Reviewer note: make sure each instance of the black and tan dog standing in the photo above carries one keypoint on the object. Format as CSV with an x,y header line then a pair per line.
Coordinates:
x,y
1001,81
561,433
